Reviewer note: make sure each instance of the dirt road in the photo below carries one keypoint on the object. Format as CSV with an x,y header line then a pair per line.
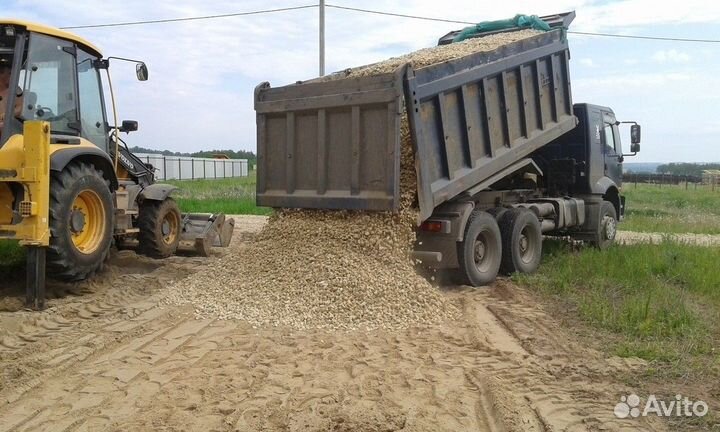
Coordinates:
x,y
106,356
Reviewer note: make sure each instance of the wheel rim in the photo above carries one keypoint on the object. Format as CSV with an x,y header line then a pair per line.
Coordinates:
x,y
527,245
483,252
169,228
609,228
87,222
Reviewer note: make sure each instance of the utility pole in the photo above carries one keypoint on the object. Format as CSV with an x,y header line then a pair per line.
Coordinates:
x,y
322,37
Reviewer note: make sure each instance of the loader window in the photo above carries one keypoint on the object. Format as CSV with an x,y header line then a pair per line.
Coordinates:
x,y
92,116
50,78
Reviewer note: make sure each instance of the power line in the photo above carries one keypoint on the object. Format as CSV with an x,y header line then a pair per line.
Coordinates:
x,y
398,15
195,18
370,11
646,37
472,23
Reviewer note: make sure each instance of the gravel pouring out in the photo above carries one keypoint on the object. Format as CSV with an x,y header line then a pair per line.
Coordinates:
x,y
334,269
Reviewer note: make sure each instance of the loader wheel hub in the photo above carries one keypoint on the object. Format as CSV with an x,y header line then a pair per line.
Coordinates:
x,y
87,221
77,221
170,228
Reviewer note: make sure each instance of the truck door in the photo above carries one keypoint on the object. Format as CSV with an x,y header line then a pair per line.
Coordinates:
x,y
613,151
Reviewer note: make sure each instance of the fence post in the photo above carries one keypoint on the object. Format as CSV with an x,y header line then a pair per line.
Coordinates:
x,y
164,168
215,166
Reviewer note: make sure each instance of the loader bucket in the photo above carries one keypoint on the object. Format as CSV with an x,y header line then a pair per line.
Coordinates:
x,y
206,230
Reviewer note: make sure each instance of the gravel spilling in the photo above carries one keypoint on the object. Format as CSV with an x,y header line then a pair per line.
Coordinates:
x,y
333,269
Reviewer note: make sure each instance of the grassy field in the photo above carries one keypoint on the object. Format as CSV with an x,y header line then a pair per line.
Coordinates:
x,y
230,196
672,209
660,303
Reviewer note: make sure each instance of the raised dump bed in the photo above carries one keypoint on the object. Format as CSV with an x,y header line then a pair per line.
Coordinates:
x,y
336,144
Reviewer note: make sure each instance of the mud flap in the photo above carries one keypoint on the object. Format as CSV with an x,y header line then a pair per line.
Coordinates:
x,y
206,231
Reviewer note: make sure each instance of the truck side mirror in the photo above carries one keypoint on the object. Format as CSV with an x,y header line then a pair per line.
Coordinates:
x,y
635,135
634,147
141,71
128,126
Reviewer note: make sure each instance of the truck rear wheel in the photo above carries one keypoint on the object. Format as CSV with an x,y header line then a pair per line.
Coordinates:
x,y
479,253
497,212
159,224
521,241
604,235
81,222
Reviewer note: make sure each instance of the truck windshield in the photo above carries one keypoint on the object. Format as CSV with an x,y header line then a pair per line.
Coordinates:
x,y
48,83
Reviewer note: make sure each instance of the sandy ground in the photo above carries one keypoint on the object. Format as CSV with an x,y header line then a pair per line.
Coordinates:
x,y
106,356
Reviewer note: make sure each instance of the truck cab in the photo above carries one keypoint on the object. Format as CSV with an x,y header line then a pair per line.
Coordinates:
x,y
593,156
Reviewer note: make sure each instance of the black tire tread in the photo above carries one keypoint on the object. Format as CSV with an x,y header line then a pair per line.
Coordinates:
x,y
507,222
60,264
605,208
150,237
462,275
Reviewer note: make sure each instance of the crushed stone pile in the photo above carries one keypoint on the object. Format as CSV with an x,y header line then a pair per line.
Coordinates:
x,y
333,269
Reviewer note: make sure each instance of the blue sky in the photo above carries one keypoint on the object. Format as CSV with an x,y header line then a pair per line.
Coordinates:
x,y
202,73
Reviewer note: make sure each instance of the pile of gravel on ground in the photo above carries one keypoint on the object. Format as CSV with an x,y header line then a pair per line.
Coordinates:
x,y
333,269
322,269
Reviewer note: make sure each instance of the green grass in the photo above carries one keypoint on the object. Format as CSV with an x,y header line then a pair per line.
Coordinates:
x,y
656,302
230,196
11,256
672,209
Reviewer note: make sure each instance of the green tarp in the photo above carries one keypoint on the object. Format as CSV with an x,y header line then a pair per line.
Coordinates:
x,y
519,21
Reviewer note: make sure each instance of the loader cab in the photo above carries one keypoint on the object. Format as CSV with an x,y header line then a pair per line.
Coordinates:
x,y
57,81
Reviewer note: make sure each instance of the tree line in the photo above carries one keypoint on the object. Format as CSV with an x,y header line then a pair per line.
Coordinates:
x,y
686,169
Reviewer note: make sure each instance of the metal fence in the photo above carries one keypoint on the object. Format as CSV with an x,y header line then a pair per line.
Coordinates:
x,y
190,168
669,180
660,178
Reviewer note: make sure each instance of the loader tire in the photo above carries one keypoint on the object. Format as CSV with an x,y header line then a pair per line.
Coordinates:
x,y
159,224
81,222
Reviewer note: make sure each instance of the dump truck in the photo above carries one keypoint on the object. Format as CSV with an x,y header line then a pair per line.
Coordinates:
x,y
69,185
502,155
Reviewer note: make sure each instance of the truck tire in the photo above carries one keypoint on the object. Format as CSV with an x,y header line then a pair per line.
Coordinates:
x,y
159,224
521,241
479,253
497,212
604,235
81,222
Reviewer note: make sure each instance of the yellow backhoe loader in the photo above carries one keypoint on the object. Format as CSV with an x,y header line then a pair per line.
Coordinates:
x,y
69,186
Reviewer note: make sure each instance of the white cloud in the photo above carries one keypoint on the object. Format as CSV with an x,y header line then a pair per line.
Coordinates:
x,y
671,56
633,81
587,62
632,13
